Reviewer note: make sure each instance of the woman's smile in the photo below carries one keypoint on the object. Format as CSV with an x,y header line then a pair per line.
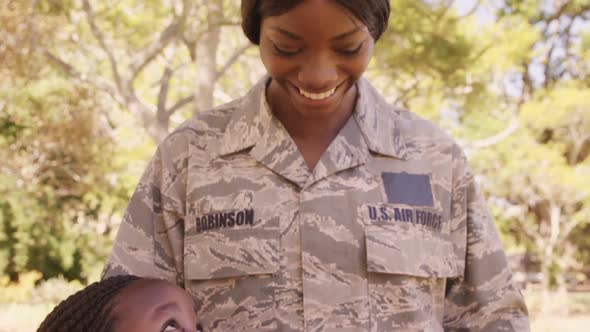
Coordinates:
x,y
309,98
317,96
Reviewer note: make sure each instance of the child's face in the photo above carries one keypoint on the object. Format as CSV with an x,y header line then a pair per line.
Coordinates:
x,y
154,306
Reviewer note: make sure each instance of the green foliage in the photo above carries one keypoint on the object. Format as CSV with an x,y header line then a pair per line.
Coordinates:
x,y
426,41
527,8
428,60
53,291
18,292
509,51
133,20
59,191
30,289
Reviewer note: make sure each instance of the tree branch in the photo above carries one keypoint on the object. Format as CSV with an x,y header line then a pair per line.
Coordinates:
x,y
101,40
163,94
152,50
233,59
471,11
224,23
578,140
548,65
179,104
568,228
497,138
445,9
172,31
537,237
76,74
107,8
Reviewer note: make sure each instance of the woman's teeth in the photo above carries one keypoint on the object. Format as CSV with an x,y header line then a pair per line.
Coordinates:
x,y
317,96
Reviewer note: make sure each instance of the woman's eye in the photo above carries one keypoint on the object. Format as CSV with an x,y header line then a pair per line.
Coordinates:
x,y
285,52
351,52
170,326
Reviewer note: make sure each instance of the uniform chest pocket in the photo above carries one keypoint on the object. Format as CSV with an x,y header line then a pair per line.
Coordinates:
x,y
231,244
408,252
408,263
229,270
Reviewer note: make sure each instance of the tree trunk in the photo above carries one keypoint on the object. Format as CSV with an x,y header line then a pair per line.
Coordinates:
x,y
562,296
549,259
546,264
157,130
206,58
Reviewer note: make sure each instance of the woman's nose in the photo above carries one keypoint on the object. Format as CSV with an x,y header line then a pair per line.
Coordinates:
x,y
318,74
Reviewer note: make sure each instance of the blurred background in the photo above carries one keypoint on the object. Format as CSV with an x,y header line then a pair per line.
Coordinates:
x,y
88,88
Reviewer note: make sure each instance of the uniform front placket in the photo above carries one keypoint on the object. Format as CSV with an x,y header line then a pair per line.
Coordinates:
x,y
332,248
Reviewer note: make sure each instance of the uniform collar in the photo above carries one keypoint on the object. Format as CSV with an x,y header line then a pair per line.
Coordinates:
x,y
249,120
376,119
379,122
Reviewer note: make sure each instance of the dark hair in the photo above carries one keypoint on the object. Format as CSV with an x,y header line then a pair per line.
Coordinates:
x,y
374,13
88,310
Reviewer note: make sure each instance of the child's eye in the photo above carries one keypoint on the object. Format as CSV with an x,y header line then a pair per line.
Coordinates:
x,y
170,326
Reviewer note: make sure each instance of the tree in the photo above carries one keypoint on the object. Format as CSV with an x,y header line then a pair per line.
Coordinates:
x,y
138,52
59,190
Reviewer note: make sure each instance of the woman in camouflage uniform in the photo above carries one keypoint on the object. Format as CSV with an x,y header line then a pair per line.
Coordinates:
x,y
311,204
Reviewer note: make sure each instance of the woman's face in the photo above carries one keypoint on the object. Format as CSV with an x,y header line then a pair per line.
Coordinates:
x,y
154,306
315,53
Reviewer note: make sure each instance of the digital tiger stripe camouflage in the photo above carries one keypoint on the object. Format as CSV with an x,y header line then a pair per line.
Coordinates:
x,y
388,233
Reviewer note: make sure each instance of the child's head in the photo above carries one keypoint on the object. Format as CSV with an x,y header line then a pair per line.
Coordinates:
x,y
124,303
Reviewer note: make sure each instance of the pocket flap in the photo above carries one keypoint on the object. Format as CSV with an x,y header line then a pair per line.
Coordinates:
x,y
411,253
226,253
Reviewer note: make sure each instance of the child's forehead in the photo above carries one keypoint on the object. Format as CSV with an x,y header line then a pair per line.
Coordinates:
x,y
152,292
146,305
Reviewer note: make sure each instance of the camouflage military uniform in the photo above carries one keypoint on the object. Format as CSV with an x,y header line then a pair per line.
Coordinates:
x,y
387,233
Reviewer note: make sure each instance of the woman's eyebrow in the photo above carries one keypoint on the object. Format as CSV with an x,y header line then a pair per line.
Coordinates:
x,y
287,33
346,34
293,36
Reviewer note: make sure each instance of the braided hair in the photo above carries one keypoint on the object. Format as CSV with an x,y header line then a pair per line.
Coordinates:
x,y
89,309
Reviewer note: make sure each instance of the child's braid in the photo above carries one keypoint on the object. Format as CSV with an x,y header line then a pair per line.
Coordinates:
x,y
87,310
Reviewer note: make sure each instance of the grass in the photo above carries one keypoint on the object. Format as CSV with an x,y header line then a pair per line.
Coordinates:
x,y
571,314
22,317
559,324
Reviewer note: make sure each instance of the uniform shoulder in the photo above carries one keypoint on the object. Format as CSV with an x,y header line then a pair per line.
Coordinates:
x,y
422,137
211,120
208,122
202,129
405,126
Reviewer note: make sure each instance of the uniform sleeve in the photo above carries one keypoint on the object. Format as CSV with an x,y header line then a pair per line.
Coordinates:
x,y
149,241
485,296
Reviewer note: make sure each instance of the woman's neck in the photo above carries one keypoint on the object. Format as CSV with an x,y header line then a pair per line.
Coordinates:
x,y
312,134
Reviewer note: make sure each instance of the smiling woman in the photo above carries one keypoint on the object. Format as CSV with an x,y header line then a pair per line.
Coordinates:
x,y
355,215
314,67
